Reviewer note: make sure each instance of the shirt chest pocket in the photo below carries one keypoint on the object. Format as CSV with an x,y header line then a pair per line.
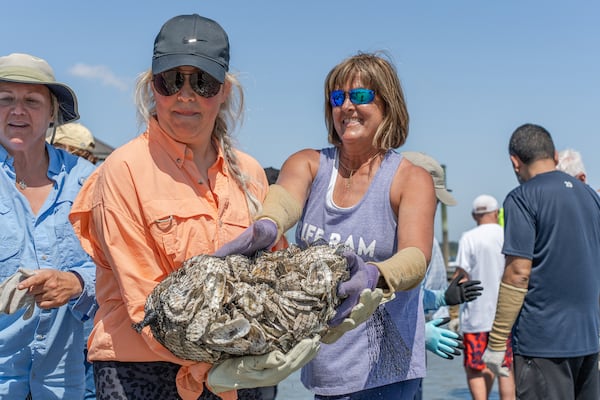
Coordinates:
x,y
10,232
180,230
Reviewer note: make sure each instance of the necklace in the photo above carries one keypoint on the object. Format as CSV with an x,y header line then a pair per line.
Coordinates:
x,y
22,184
351,171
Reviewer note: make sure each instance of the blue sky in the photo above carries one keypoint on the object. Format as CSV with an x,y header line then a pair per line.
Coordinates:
x,y
472,71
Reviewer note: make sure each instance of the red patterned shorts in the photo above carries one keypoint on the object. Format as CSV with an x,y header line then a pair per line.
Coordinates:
x,y
475,345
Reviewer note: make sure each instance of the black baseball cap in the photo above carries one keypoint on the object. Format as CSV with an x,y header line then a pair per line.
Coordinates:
x,y
192,40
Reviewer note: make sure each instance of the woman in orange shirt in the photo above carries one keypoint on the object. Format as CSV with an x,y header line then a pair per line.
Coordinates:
x,y
177,190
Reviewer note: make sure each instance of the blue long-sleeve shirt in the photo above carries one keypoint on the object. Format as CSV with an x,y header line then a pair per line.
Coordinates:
x,y
435,284
44,354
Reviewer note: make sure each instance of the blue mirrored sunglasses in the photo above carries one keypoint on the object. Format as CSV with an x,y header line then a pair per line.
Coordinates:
x,y
357,96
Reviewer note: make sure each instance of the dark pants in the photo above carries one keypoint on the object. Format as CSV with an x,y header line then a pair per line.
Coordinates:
x,y
405,390
153,380
574,378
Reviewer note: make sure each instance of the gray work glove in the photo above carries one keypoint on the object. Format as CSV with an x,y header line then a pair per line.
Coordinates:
x,y
258,371
368,302
13,299
494,360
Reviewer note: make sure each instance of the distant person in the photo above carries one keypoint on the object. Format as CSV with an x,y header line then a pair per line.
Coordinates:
x,y
437,295
480,257
435,282
48,280
78,140
551,285
570,162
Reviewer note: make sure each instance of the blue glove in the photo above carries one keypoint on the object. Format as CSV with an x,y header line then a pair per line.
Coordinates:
x,y
442,341
259,236
362,276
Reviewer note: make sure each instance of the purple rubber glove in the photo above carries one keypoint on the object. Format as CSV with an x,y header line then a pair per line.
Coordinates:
x,y
362,276
259,236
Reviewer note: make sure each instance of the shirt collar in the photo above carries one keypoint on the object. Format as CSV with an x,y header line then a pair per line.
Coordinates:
x,y
4,156
55,163
177,151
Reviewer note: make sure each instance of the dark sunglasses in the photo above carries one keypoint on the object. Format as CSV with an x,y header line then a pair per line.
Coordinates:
x,y
170,82
357,96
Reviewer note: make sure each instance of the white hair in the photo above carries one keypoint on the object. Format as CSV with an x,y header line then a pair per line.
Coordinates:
x,y
570,162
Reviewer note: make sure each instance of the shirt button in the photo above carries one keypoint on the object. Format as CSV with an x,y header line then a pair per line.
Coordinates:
x,y
179,161
39,337
44,257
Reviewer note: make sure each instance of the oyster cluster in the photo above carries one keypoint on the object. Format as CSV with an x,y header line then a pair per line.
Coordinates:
x,y
213,308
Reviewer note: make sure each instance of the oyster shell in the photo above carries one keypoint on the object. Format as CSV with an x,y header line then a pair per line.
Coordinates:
x,y
214,308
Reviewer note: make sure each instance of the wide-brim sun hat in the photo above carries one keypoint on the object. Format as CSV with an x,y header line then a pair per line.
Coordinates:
x,y
192,40
436,171
25,68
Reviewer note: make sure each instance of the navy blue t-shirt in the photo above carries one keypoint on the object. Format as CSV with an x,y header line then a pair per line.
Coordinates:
x,y
554,220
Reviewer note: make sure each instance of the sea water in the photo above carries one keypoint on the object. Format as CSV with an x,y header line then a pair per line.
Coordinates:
x,y
446,380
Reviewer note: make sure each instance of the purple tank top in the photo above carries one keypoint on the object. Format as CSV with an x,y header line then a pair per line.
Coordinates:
x,y
390,346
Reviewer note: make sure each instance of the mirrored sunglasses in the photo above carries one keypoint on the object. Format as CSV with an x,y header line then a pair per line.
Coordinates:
x,y
357,96
170,82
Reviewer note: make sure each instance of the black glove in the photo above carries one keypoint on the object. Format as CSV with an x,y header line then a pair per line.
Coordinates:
x,y
458,293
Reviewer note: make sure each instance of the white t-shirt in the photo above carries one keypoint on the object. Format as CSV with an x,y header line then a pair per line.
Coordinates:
x,y
480,255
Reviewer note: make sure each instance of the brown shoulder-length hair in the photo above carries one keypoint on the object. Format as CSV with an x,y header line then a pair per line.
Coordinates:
x,y
379,74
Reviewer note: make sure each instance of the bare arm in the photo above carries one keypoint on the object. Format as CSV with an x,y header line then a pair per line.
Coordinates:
x,y
297,173
517,272
413,198
459,271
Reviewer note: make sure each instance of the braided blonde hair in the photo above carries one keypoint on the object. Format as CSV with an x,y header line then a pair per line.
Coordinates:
x,y
230,114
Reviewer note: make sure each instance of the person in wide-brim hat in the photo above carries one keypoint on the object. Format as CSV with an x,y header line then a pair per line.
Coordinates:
x,y
25,68
47,280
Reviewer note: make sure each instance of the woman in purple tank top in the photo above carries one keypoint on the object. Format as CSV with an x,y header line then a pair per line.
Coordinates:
x,y
362,194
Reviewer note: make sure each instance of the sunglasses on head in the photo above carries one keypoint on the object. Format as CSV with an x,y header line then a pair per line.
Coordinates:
x,y
170,82
357,96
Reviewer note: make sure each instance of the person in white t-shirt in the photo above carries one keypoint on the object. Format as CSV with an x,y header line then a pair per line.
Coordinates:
x,y
480,257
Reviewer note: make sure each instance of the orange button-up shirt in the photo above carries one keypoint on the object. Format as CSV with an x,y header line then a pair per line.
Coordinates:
x,y
140,215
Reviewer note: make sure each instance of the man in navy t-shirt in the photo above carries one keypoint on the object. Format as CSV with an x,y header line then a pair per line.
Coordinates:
x,y
551,285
